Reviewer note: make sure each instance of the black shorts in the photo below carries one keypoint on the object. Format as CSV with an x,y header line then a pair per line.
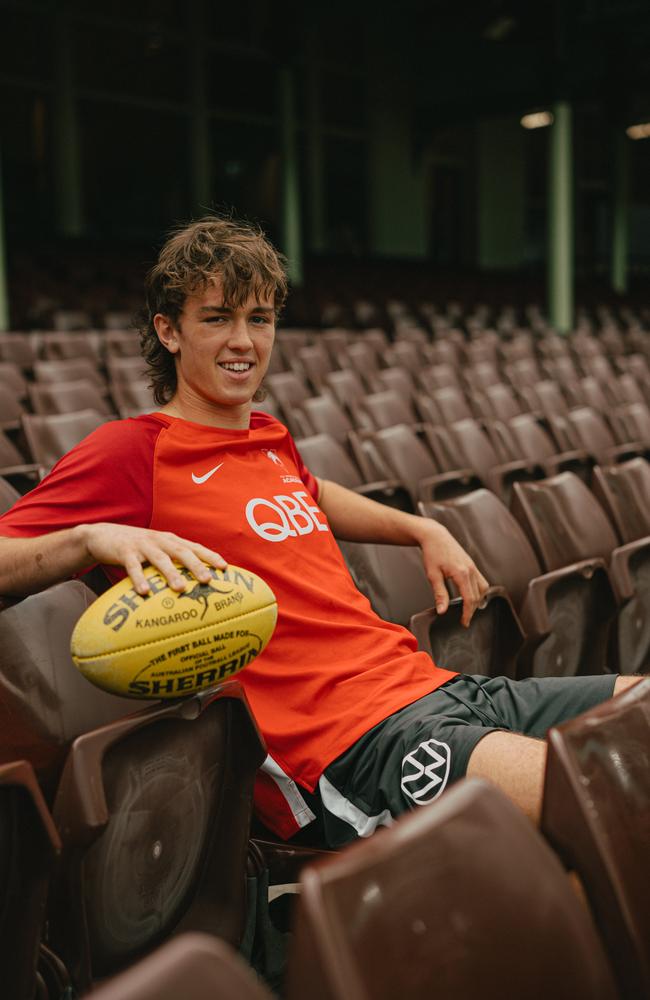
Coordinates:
x,y
408,759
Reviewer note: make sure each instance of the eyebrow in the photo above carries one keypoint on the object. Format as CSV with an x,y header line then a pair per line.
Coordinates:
x,y
228,309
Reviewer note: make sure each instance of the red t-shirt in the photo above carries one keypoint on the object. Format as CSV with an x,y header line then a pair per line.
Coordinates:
x,y
333,669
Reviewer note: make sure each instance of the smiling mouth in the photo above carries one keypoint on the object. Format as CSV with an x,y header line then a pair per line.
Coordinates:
x,y
236,366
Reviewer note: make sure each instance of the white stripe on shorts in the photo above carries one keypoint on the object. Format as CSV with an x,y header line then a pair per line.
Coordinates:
x,y
299,808
341,807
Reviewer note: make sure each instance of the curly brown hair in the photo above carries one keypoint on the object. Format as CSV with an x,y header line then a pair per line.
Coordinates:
x,y
238,252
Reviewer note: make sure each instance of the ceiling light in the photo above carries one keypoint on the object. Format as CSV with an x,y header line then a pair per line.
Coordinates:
x,y
538,119
639,131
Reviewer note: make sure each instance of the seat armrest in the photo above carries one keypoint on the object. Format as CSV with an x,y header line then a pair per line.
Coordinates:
x,y
534,610
391,492
442,485
510,633
499,475
619,568
568,461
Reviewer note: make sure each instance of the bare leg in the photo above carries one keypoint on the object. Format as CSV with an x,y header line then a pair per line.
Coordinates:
x,y
625,681
515,764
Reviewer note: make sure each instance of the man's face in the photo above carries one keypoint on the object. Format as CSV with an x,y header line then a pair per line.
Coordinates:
x,y
221,352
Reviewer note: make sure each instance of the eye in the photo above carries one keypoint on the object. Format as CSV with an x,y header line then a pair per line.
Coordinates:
x,y
260,320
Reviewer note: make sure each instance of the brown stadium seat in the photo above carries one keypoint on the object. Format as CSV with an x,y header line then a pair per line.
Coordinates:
x,y
327,459
44,701
290,391
314,363
126,369
11,409
562,370
71,319
625,389
391,576
64,346
8,495
335,340
50,437
439,376
405,354
623,490
30,845
478,376
465,443
492,645
596,814
566,523
389,408
121,343
154,813
451,403
462,899
591,433
12,378
267,405
411,460
398,380
348,390
17,348
566,614
68,371
496,402
13,466
133,398
191,966
362,358
66,397
523,371
523,438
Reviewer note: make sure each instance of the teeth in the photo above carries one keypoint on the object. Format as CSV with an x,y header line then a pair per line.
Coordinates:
x,y
236,366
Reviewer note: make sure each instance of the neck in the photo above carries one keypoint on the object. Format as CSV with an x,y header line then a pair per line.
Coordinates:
x,y
202,411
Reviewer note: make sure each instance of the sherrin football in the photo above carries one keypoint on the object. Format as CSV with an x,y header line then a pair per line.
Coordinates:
x,y
169,643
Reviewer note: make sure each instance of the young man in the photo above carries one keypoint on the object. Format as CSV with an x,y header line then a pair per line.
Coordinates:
x,y
359,724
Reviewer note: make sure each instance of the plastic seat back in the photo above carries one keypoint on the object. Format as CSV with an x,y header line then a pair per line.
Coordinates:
x,y
68,371
564,520
44,701
387,409
391,576
18,348
66,397
327,459
624,492
596,813
193,966
154,812
29,845
49,437
425,908
327,417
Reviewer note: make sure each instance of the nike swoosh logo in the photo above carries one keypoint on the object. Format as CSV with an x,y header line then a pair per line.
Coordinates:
x,y
203,479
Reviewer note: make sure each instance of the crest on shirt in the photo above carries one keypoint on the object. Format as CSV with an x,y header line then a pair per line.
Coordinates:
x,y
273,457
425,771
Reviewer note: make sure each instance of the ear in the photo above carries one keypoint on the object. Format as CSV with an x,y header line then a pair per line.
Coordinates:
x,y
167,333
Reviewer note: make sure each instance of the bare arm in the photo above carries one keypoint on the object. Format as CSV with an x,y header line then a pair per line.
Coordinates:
x,y
355,518
28,565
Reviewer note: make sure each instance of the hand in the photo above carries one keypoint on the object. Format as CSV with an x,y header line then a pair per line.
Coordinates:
x,y
444,559
123,545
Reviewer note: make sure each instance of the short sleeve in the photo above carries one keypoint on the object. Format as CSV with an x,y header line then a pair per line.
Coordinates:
x,y
106,477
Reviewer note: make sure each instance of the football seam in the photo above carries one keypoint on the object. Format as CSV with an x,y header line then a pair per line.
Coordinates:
x,y
178,637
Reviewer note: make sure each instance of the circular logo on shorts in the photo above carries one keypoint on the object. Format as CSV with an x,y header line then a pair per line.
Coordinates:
x,y
425,771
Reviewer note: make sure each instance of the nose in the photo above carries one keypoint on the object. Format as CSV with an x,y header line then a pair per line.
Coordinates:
x,y
239,338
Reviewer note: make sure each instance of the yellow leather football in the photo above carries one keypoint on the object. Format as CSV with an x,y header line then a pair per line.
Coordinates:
x,y
168,643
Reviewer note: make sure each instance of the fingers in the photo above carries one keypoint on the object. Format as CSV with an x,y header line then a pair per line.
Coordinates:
x,y
472,586
166,552
440,593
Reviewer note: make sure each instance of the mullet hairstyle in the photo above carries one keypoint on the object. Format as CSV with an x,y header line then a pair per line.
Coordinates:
x,y
237,252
